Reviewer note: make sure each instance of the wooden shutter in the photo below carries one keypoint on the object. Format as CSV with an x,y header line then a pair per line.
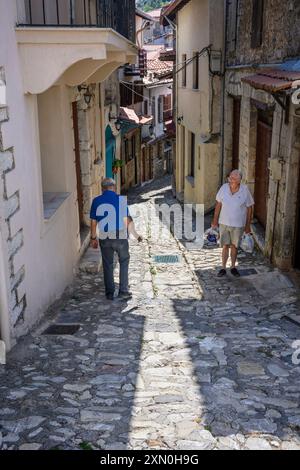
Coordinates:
x,y
138,92
154,111
126,94
257,23
160,109
232,24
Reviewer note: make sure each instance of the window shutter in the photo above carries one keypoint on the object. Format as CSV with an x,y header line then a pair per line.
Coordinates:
x,y
160,109
154,111
257,23
138,92
143,62
232,24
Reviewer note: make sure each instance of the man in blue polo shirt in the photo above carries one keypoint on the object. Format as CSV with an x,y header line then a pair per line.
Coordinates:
x,y
110,212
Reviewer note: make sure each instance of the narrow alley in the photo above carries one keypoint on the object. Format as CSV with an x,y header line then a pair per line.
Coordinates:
x,y
191,362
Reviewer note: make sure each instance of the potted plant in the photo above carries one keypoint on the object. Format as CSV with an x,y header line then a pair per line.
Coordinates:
x,y
117,164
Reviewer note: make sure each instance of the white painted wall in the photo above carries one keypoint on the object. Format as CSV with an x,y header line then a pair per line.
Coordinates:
x,y
51,249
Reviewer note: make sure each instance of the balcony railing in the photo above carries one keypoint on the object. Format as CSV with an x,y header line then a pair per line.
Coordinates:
x,y
116,14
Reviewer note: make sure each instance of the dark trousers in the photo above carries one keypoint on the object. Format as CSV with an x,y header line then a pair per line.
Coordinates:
x,y
108,248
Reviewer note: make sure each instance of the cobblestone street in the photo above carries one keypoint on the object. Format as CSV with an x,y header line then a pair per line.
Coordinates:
x,y
191,362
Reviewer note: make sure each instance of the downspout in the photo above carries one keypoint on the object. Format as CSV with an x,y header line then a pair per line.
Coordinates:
x,y
223,96
5,343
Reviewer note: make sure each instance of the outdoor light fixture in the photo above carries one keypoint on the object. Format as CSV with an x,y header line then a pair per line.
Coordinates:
x,y
179,120
151,130
118,125
116,121
87,95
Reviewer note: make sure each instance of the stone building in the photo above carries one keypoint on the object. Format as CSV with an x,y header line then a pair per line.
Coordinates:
x,y
199,48
262,118
53,121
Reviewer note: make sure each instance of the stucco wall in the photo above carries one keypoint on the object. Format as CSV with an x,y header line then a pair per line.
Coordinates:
x,y
200,23
44,252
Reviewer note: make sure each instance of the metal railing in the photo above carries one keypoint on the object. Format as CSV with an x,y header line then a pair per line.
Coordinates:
x,y
115,14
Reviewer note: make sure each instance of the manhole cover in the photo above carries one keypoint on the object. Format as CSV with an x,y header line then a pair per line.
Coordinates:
x,y
61,330
167,259
247,272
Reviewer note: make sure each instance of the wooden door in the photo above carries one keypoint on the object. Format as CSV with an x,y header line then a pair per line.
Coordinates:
x,y
297,238
263,153
151,163
78,164
236,133
143,166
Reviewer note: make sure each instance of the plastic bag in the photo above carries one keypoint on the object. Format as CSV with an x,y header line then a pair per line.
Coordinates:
x,y
212,235
247,243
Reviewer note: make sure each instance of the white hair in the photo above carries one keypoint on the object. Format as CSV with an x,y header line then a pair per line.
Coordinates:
x,y
108,183
237,173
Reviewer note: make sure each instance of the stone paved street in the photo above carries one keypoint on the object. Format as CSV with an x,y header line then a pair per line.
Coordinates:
x,y
192,362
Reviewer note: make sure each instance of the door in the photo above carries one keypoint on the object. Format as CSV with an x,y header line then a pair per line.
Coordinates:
x,y
143,168
110,147
151,172
78,164
236,133
182,161
297,239
263,154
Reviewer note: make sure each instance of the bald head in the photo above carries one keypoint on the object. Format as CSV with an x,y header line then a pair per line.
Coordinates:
x,y
108,184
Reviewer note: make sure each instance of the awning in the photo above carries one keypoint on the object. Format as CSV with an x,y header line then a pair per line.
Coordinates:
x,y
128,114
272,80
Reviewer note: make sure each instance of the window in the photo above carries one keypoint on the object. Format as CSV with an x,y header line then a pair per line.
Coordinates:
x,y
196,71
52,144
184,70
126,94
126,150
146,107
160,109
232,24
138,90
257,23
154,111
192,155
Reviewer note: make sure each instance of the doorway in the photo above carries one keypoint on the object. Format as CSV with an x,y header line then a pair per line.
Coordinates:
x,y
110,145
78,165
297,237
263,154
236,118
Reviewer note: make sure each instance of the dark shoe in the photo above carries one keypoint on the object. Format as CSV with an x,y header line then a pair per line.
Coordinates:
x,y
125,295
235,272
110,296
222,273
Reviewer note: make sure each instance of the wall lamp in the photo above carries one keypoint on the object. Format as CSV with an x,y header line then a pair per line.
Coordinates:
x,y
179,120
116,121
87,96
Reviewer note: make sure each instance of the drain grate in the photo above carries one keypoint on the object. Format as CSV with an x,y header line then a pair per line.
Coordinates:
x,y
61,330
167,259
247,272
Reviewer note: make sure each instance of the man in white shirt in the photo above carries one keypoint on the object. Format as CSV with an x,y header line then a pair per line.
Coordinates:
x,y
233,214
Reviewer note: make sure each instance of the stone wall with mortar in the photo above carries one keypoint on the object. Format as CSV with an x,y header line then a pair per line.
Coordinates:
x,y
13,232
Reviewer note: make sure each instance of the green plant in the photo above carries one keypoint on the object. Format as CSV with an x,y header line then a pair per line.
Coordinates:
x,y
85,446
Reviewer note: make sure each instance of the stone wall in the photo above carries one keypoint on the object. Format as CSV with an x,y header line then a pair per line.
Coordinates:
x,y
281,28
13,231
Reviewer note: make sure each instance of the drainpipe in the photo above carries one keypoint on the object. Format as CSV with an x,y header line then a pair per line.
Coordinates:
x,y
223,96
4,309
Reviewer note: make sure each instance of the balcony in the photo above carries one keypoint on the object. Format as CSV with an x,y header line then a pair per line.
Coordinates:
x,y
115,14
69,42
